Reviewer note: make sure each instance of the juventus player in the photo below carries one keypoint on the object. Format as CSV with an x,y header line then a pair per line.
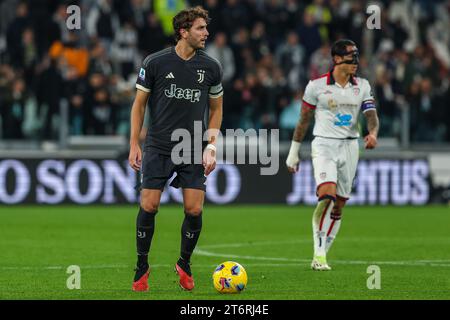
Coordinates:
x,y
181,82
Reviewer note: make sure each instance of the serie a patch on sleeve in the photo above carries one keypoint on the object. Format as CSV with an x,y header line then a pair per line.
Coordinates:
x,y
142,74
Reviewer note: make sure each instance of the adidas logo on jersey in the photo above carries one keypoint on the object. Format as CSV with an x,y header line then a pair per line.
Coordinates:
x,y
170,76
178,93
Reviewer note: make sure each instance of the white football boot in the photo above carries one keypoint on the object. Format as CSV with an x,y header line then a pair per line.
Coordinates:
x,y
319,263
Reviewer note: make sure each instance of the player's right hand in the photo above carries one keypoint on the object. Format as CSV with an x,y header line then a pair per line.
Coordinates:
x,y
292,163
209,159
293,160
135,157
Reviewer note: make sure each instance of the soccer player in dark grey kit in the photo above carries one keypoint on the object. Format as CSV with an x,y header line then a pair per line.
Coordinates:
x,y
179,84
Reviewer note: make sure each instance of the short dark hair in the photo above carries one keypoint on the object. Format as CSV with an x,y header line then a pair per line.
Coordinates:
x,y
185,19
339,48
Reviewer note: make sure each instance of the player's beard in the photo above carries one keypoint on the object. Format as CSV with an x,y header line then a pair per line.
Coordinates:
x,y
200,44
197,44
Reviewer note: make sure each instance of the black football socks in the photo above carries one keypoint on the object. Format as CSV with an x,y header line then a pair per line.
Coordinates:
x,y
190,232
145,226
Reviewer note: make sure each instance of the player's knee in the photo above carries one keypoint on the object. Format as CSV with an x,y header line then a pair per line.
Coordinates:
x,y
193,210
149,205
329,189
327,197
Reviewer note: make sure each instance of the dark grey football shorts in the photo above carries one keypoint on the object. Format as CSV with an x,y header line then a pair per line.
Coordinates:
x,y
158,168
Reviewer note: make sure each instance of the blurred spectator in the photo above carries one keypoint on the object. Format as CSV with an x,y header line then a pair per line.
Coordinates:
x,y
220,51
166,10
14,33
134,10
76,114
292,8
234,105
214,10
275,20
235,15
281,90
239,44
399,34
122,95
259,44
99,61
14,104
102,22
264,95
249,102
340,19
96,82
309,34
322,16
320,62
151,35
425,104
289,56
49,91
71,54
103,114
387,109
124,49
437,33
58,30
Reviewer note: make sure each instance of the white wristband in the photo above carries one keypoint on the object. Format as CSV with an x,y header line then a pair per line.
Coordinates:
x,y
295,148
211,146
293,158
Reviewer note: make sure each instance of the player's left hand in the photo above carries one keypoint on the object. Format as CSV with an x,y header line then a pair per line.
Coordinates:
x,y
209,160
370,141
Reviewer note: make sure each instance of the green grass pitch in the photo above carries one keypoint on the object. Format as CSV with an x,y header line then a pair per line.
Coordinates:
x,y
411,245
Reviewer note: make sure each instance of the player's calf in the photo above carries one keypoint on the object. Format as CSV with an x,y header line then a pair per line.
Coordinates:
x,y
336,216
321,222
145,226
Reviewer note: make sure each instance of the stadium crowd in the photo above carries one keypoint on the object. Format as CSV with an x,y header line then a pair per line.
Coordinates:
x,y
269,49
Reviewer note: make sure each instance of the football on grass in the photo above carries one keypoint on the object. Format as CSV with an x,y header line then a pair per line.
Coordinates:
x,y
230,277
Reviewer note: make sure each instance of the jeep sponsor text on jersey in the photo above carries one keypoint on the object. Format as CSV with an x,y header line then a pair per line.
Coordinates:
x,y
189,94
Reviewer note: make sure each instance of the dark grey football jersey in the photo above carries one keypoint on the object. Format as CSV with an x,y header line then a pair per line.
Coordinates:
x,y
179,93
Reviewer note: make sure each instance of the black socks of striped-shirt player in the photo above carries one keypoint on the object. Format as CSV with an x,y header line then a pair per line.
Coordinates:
x,y
190,232
145,226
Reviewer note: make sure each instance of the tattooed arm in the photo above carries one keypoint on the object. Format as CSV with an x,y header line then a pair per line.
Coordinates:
x,y
292,161
303,124
373,125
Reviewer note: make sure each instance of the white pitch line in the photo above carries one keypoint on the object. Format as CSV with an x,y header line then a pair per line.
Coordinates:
x,y
258,243
431,263
358,262
225,255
